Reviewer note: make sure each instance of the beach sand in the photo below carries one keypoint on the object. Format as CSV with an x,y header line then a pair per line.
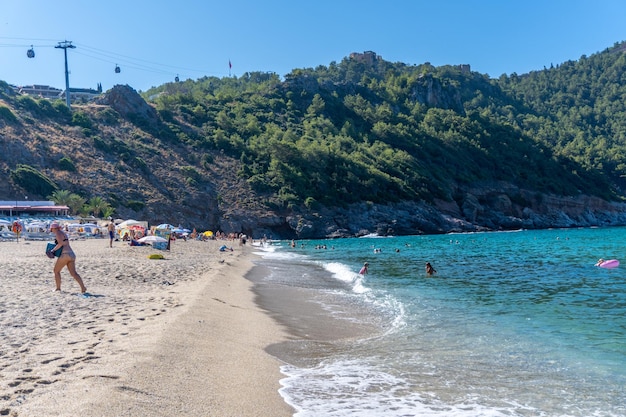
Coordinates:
x,y
175,337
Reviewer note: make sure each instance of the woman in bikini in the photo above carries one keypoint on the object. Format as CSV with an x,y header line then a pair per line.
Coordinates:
x,y
67,258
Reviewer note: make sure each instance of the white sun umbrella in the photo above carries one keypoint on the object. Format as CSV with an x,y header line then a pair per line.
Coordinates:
x,y
81,225
35,226
129,222
151,239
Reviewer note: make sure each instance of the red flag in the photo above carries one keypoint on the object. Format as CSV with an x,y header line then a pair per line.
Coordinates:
x,y
229,64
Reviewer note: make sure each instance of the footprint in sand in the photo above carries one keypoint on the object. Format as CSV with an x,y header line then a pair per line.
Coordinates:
x,y
45,382
25,391
47,361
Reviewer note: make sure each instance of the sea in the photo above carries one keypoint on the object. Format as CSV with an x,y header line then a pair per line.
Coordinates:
x,y
518,323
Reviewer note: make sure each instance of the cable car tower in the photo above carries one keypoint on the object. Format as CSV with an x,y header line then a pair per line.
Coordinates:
x,y
64,45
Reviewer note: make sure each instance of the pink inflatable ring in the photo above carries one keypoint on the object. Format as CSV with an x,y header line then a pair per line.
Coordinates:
x,y
611,263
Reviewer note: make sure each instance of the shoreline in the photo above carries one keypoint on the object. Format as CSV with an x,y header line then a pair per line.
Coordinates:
x,y
315,321
181,336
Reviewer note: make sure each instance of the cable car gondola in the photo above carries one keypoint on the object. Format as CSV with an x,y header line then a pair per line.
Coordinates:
x,y
117,69
31,52
176,78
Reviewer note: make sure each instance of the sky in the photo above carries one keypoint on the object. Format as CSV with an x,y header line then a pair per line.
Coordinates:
x,y
154,41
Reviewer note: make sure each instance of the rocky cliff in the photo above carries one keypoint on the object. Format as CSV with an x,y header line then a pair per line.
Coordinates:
x,y
482,209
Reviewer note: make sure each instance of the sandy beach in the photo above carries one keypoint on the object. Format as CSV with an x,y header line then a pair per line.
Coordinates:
x,y
180,336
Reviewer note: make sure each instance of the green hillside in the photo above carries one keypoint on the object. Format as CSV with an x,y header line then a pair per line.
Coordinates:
x,y
387,131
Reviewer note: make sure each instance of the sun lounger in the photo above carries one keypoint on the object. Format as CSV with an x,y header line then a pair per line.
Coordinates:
x,y
7,236
38,236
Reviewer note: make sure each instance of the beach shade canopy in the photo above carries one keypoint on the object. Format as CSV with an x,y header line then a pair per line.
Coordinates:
x,y
35,226
87,227
151,239
127,223
73,226
165,226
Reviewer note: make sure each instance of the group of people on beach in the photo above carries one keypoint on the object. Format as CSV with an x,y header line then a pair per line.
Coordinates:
x,y
67,257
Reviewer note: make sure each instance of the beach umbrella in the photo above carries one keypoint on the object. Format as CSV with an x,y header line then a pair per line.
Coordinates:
x,y
151,239
127,223
165,226
79,225
36,226
208,233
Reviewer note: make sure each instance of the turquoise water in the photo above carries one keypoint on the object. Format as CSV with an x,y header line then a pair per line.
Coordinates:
x,y
513,324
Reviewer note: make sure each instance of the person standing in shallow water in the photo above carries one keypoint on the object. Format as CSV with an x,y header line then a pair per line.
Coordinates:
x,y
363,270
67,258
429,269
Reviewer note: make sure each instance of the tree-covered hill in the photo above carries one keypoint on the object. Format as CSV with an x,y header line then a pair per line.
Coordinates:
x,y
578,110
381,132
484,151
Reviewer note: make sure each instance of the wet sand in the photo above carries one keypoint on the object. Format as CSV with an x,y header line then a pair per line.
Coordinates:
x,y
316,321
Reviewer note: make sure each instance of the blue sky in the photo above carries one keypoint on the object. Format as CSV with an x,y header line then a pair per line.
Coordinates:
x,y
153,41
